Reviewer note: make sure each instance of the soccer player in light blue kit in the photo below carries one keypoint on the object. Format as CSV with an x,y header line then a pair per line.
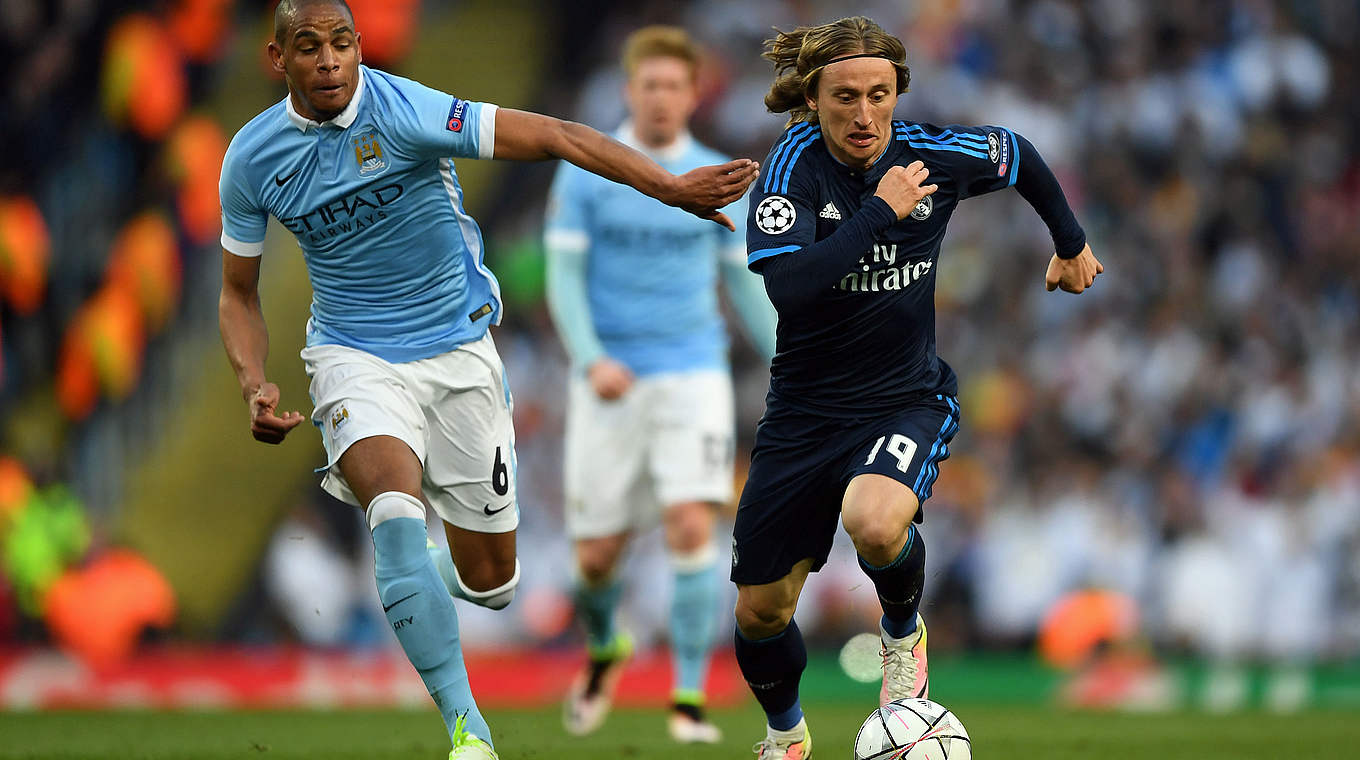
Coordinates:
x,y
410,396
632,288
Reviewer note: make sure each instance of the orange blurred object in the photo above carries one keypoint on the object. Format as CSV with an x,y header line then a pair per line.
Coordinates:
x,y
387,28
24,252
194,155
102,351
143,79
145,263
1080,622
15,487
77,377
201,27
98,612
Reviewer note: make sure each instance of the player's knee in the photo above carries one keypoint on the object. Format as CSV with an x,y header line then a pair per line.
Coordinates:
x,y
878,540
496,598
761,620
597,558
689,527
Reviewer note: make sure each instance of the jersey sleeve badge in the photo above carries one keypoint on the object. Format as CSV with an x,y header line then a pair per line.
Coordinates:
x,y
775,215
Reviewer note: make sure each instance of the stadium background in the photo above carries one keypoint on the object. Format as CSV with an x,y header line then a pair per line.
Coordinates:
x,y
1154,500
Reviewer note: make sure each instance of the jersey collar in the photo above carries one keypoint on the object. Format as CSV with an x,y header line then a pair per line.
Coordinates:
x,y
341,120
672,152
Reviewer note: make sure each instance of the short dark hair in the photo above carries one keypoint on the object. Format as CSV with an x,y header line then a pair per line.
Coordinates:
x,y
286,12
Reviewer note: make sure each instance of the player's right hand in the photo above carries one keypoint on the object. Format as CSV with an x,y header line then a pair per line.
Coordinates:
x,y
265,424
609,379
901,187
705,190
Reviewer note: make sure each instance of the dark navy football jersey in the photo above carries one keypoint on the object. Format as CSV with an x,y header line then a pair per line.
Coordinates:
x,y
867,344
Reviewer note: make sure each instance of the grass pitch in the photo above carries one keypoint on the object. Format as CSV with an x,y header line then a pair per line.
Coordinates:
x,y
997,732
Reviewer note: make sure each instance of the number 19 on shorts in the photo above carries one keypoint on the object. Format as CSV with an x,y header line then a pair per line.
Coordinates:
x,y
899,446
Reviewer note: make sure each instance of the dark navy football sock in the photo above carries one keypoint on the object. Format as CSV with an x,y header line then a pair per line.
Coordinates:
x,y
899,585
772,668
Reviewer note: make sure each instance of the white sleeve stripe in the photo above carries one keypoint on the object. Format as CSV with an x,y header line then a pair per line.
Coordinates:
x,y
486,131
736,252
241,248
570,241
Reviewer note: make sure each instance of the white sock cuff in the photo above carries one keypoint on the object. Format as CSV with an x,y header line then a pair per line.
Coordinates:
x,y
480,596
700,559
392,504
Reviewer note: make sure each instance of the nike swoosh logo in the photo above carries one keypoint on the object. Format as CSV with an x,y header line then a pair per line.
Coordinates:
x,y
487,509
387,607
280,182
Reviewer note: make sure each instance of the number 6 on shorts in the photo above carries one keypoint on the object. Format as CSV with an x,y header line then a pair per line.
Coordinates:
x,y
900,446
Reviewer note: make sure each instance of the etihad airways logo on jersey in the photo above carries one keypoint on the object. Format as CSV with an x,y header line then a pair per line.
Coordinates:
x,y
880,272
344,215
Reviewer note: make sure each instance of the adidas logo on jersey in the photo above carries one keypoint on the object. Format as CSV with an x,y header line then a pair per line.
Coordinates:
x,y
830,212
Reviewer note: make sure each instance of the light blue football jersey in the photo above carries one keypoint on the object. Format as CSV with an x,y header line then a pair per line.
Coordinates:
x,y
651,269
395,262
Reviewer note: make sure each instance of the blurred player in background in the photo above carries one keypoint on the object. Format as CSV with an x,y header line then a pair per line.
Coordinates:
x,y
846,228
650,429
410,396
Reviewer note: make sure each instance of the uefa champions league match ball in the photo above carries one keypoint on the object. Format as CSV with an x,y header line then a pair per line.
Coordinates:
x,y
912,729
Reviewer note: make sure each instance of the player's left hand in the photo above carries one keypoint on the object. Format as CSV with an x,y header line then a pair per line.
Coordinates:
x,y
705,190
266,425
1075,274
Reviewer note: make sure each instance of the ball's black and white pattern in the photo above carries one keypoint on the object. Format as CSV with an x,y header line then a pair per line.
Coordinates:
x,y
775,215
912,729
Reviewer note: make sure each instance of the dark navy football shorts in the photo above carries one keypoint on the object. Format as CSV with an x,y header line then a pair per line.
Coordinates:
x,y
802,463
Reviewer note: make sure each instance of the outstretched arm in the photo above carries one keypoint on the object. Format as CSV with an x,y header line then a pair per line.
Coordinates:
x,y
246,339
1073,267
527,136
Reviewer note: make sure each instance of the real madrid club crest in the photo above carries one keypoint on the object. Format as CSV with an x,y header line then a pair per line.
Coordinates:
x,y
368,152
923,209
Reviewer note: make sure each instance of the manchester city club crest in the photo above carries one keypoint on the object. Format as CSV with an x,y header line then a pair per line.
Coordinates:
x,y
923,209
368,152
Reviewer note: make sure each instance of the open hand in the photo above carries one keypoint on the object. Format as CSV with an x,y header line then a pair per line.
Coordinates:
x,y
1075,274
265,424
705,190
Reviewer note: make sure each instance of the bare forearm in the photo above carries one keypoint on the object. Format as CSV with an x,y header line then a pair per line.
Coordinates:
x,y
245,337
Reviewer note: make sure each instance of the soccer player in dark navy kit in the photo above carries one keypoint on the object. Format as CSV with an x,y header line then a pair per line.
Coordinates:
x,y
845,226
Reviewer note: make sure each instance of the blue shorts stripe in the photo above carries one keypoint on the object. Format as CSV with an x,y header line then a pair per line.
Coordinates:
x,y
781,153
939,451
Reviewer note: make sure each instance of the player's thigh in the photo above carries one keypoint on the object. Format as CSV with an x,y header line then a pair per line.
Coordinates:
x,y
470,461
694,437
606,483
484,560
765,609
905,449
791,500
875,512
358,397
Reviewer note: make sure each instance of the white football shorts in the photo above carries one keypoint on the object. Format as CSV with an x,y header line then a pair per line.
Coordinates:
x,y
670,439
453,410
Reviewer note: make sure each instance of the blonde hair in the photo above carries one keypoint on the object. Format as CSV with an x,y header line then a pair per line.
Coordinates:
x,y
659,41
800,55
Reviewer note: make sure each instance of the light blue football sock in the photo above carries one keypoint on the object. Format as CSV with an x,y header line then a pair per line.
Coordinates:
x,y
595,605
419,608
694,620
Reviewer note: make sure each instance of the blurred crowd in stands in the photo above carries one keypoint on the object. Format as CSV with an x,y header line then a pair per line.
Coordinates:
x,y
1186,435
